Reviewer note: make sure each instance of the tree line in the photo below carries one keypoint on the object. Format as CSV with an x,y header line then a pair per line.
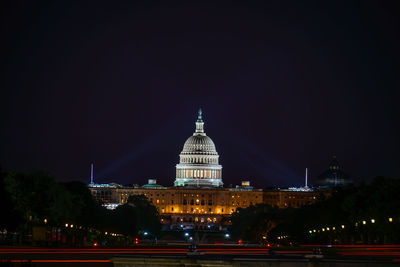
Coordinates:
x,y
37,199
359,214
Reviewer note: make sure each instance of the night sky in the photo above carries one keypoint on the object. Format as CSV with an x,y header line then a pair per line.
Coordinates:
x,y
283,86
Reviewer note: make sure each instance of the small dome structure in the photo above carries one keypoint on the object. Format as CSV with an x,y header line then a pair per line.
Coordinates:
x,y
333,176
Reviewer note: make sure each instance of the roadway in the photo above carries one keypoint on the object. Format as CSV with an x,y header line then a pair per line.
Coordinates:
x,y
101,256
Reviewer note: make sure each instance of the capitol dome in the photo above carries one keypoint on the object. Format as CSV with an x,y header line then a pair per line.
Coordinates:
x,y
198,165
199,144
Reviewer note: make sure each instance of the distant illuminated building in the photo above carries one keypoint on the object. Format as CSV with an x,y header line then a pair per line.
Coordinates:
x,y
334,176
197,199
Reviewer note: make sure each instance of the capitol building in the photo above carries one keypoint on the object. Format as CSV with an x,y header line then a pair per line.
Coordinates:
x,y
197,199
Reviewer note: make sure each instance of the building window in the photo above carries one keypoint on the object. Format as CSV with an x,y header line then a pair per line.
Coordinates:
x,y
202,202
191,202
172,201
209,210
184,202
158,201
172,209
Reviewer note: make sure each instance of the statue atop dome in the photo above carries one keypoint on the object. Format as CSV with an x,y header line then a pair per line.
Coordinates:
x,y
199,116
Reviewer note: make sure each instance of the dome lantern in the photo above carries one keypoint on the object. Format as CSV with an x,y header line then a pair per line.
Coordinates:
x,y
199,123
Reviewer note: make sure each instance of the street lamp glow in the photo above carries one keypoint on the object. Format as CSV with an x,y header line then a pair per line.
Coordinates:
x,y
66,225
186,234
227,235
364,222
342,226
145,233
390,219
372,220
310,231
45,221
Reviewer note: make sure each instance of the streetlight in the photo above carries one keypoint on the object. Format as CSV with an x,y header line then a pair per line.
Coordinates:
x,y
186,234
45,221
364,222
145,233
372,220
390,219
227,235
342,226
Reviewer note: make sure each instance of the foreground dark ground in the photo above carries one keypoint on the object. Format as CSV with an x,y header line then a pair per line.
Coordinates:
x,y
24,256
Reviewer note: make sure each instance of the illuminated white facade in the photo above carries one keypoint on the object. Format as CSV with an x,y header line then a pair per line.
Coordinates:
x,y
198,165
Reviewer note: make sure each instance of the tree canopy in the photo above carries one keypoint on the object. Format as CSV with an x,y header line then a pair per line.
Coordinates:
x,y
364,213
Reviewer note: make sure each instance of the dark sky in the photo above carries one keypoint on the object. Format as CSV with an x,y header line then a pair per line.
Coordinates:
x,y
283,86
